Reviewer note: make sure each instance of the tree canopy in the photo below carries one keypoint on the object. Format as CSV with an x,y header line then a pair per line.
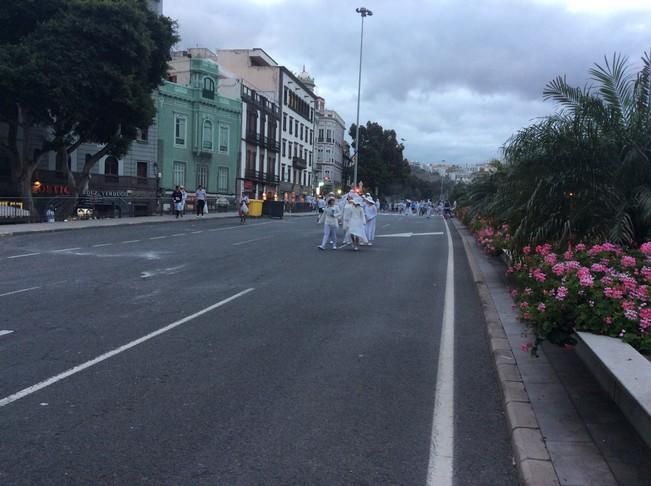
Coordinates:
x,y
82,71
582,173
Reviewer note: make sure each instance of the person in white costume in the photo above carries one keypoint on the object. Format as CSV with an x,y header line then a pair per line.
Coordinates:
x,y
370,211
356,232
330,220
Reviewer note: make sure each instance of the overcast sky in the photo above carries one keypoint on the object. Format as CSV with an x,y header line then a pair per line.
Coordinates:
x,y
454,78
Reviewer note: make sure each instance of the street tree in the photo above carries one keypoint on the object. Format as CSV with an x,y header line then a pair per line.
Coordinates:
x,y
77,71
381,162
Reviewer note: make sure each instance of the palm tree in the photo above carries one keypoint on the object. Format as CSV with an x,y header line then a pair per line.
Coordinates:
x,y
584,172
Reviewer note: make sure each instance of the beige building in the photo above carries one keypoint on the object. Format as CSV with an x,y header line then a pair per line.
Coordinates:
x,y
296,101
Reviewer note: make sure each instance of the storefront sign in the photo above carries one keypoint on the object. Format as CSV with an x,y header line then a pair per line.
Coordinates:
x,y
106,194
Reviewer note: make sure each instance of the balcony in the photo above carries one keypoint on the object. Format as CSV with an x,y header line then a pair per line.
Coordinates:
x,y
209,94
299,163
254,138
261,177
272,144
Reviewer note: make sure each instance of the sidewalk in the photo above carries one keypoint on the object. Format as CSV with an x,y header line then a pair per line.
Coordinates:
x,y
16,229
564,427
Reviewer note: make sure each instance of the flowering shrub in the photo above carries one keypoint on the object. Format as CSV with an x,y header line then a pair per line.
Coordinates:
x,y
602,289
492,239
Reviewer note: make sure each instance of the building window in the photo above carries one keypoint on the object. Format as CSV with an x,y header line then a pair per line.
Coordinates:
x,y
289,146
285,95
142,134
284,122
311,137
284,147
310,156
301,136
202,176
296,127
291,125
206,135
111,168
208,88
224,136
329,135
141,170
319,155
180,130
178,173
282,172
222,179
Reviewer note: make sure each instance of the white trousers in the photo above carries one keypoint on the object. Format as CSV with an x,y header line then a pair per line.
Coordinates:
x,y
370,229
329,234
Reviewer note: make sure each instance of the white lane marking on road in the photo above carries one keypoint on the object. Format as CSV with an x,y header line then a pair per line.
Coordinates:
x,y
19,291
77,369
178,234
251,241
100,245
162,271
386,225
130,241
66,249
22,256
158,237
197,232
4,332
409,235
241,226
441,454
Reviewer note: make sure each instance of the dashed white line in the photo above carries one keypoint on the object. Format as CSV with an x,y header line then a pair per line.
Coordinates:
x,y
19,291
197,232
130,241
441,454
100,245
4,332
23,256
158,237
66,249
251,241
179,234
50,381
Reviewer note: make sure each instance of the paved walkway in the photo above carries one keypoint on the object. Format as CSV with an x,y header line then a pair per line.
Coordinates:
x,y
585,437
14,229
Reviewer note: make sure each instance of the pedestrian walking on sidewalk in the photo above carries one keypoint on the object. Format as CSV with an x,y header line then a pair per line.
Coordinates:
x,y
184,197
200,196
330,220
177,201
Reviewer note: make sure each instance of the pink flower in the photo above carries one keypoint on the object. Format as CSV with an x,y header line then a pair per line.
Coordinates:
x,y
646,248
550,259
524,304
526,250
528,291
598,267
646,271
568,255
628,261
526,316
630,314
608,320
572,264
514,293
613,293
558,269
561,293
580,247
541,307
543,249
539,275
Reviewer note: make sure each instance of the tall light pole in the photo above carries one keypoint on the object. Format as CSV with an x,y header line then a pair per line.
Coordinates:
x,y
363,11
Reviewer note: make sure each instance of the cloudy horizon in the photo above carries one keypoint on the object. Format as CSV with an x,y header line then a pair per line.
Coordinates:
x,y
454,81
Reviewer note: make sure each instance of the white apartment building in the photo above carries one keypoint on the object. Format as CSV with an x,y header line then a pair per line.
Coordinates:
x,y
296,101
329,146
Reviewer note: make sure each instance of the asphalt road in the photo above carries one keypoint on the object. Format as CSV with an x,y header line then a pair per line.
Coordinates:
x,y
322,369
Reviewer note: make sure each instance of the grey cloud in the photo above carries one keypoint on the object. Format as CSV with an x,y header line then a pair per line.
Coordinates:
x,y
458,77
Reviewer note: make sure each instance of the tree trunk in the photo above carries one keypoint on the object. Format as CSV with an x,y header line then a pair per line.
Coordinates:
x,y
25,183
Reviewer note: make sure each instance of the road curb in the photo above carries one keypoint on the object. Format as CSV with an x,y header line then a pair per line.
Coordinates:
x,y
532,459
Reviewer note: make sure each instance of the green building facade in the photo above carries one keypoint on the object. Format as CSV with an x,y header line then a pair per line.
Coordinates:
x,y
199,131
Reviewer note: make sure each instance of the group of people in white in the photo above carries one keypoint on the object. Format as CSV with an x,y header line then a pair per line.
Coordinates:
x,y
357,214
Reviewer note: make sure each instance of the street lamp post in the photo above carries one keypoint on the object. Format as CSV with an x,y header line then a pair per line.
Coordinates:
x,y
363,12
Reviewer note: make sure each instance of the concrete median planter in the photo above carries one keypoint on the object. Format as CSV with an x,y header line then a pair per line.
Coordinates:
x,y
623,373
